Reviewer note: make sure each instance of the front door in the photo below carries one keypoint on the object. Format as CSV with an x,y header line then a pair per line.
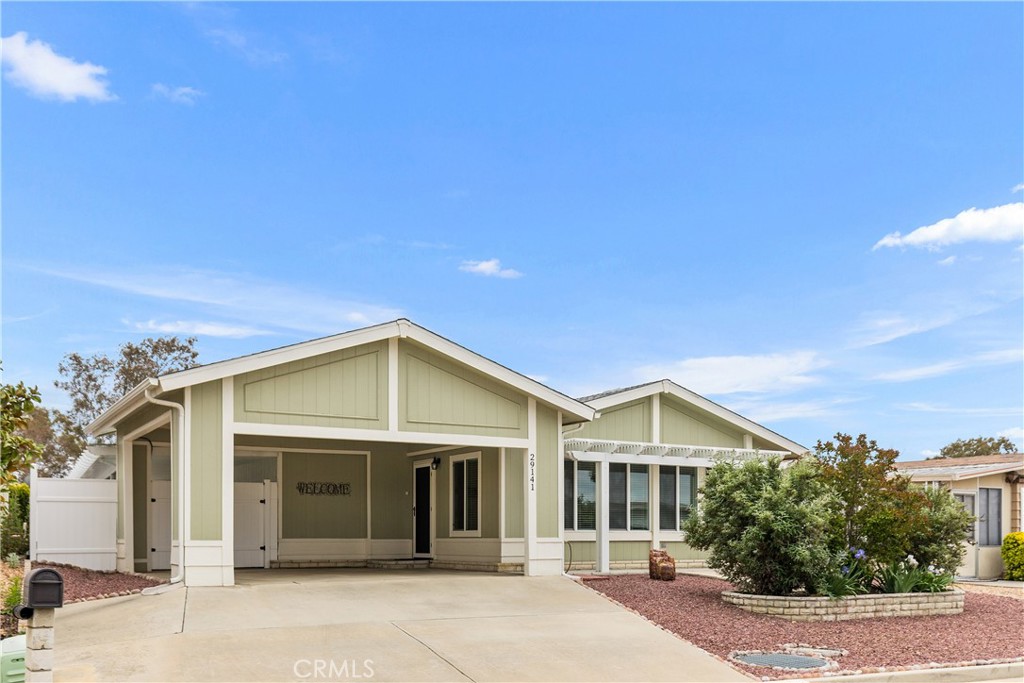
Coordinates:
x,y
423,509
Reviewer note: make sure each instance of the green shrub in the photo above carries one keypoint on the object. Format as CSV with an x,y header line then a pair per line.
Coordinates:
x,y
12,595
936,536
13,528
770,530
899,577
1013,556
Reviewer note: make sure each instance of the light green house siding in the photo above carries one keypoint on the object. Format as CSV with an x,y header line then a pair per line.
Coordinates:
x,y
308,515
514,493
549,464
685,426
682,551
489,476
391,482
630,422
140,505
346,388
437,395
207,468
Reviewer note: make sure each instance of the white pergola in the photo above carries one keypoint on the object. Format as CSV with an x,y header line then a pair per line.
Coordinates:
x,y
604,452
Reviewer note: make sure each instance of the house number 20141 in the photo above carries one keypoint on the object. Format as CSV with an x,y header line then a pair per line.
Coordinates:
x,y
533,471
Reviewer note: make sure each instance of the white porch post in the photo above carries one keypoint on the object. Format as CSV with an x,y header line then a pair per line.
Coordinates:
x,y
654,479
603,564
530,484
227,515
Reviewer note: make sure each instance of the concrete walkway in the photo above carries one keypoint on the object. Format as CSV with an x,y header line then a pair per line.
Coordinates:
x,y
413,625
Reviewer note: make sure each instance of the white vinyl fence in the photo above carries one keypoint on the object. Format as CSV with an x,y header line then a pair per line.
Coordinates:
x,y
73,521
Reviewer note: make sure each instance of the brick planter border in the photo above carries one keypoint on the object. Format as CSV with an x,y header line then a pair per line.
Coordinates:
x,y
871,606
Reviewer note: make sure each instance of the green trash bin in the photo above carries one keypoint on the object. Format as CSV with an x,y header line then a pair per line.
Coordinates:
x,y
12,660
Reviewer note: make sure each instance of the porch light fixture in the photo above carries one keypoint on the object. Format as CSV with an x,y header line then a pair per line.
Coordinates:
x,y
435,463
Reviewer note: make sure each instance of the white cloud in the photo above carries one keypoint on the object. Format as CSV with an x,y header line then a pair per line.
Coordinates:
x,y
489,268
736,374
774,411
948,261
929,453
181,94
921,407
34,66
946,367
1018,188
882,327
1015,434
255,303
245,44
998,224
198,328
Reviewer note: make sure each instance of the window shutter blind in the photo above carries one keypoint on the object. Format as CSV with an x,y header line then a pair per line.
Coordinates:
x,y
617,496
667,496
640,496
569,498
472,493
458,495
586,495
687,492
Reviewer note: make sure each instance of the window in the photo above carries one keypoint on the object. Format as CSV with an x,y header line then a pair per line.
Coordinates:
x,y
628,497
990,516
580,500
677,487
465,488
967,500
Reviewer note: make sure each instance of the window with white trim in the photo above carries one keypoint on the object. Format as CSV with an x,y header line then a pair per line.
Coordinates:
x,y
629,496
580,501
677,489
465,495
990,516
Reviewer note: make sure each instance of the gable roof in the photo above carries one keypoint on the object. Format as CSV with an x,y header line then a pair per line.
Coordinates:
x,y
953,469
573,410
998,459
616,397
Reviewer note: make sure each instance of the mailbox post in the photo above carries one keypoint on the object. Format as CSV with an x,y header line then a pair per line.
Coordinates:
x,y
43,593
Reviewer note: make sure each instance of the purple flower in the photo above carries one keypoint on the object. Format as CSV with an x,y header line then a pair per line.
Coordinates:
x,y
845,570
859,555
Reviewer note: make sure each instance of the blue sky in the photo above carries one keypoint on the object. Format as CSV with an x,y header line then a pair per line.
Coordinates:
x,y
594,195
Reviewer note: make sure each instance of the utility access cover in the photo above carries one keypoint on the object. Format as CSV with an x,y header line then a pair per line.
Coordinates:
x,y
783,660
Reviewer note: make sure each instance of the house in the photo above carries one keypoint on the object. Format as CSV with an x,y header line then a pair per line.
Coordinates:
x,y
989,486
392,444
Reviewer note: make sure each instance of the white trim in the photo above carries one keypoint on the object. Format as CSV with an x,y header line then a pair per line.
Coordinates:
x,y
501,494
602,532
369,497
401,328
654,504
227,504
656,418
348,434
452,532
560,477
393,384
186,475
669,387
428,451
104,424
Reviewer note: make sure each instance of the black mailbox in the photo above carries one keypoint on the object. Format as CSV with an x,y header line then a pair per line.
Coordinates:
x,y
44,588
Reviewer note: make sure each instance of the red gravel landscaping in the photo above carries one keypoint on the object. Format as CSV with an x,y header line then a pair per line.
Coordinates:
x,y
691,607
87,584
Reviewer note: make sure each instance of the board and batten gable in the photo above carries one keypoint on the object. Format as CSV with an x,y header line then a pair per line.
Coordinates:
x,y
681,424
439,395
345,388
628,422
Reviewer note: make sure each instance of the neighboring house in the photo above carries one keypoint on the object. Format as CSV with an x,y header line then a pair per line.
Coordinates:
x,y
391,443
989,486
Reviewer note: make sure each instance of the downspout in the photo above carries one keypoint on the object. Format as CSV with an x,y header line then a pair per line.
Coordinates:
x,y
180,410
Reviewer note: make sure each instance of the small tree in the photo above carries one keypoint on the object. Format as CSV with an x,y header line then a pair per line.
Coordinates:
x,y
95,382
939,540
17,402
770,529
880,508
979,445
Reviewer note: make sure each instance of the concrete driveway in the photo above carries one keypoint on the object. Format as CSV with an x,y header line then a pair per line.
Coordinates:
x,y
337,625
